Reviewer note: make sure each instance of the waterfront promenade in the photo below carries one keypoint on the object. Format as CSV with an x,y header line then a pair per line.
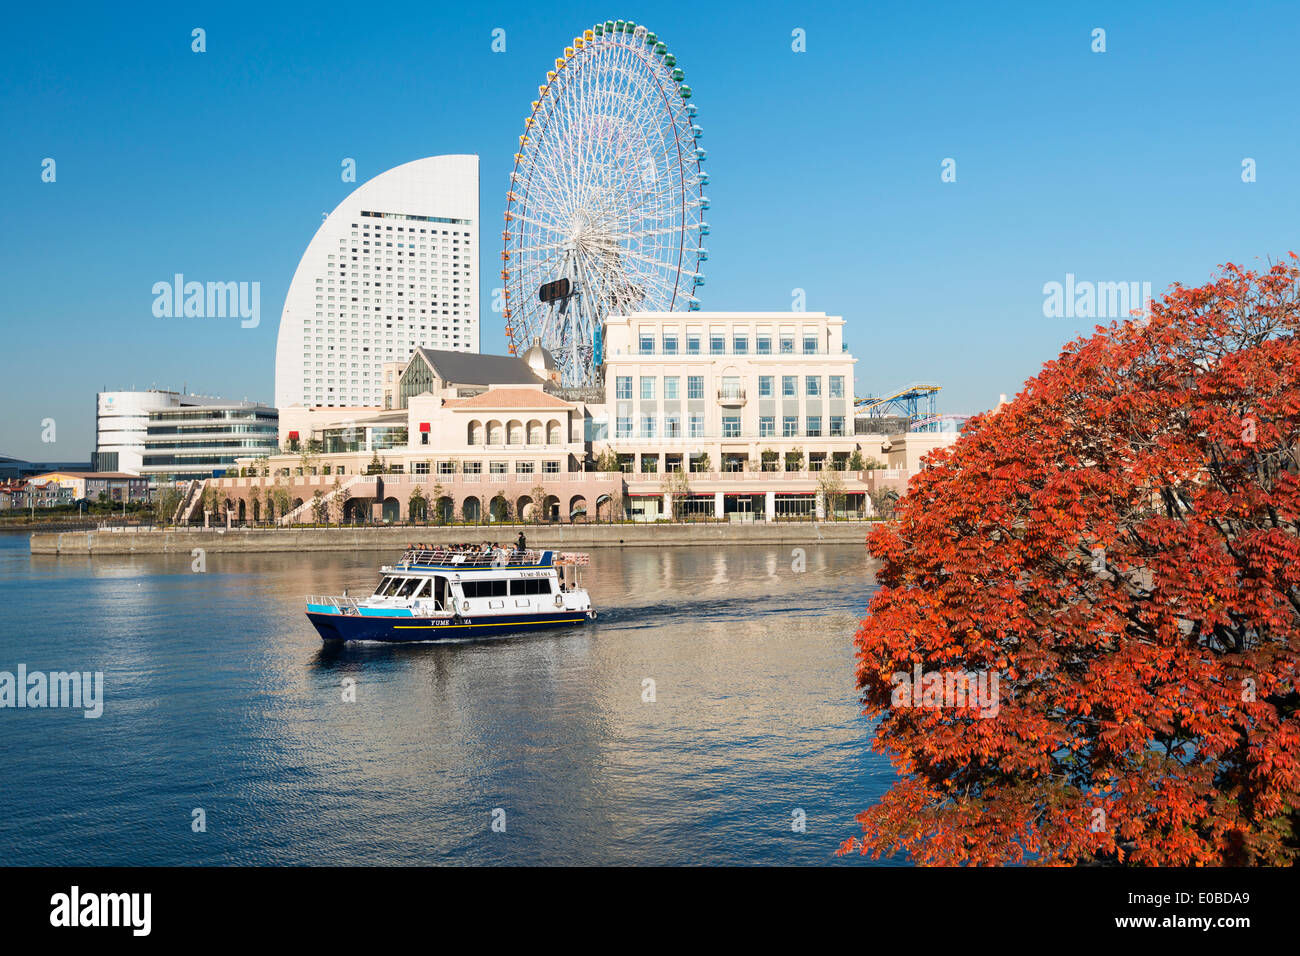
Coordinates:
x,y
110,541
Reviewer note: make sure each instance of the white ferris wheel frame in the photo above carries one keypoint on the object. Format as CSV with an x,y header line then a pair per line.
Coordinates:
x,y
606,192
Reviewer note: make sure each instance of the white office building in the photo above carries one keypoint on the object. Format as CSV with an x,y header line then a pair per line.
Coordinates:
x,y
393,268
163,434
202,439
121,425
749,390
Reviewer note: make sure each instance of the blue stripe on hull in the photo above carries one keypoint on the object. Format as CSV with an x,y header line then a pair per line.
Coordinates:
x,y
350,627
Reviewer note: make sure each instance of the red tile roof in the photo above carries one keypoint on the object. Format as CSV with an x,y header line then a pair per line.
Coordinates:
x,y
504,398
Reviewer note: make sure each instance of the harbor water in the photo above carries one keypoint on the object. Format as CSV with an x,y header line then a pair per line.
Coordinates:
x,y
707,717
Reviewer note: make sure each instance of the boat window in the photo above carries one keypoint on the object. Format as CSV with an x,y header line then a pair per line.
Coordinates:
x,y
386,587
531,586
478,589
424,590
409,586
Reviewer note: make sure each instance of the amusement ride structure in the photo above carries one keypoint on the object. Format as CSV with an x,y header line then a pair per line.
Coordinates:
x,y
605,211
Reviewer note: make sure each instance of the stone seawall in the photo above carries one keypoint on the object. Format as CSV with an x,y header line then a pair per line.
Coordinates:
x,y
567,536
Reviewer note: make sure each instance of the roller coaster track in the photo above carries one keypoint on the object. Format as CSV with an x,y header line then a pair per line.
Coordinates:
x,y
905,400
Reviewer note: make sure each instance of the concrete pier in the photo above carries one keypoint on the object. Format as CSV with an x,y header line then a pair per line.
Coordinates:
x,y
565,536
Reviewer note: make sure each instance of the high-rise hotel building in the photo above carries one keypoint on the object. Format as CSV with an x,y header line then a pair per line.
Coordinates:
x,y
393,268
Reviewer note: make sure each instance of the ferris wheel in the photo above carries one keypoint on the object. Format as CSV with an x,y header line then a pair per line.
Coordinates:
x,y
605,210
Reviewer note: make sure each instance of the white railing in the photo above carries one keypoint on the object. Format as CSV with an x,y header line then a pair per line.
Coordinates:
x,y
344,605
779,475
470,558
193,495
484,558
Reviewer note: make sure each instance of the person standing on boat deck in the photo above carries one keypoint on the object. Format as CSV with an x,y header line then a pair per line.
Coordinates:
x,y
522,543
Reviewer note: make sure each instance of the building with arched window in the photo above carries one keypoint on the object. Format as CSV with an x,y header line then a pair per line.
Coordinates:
x,y
717,414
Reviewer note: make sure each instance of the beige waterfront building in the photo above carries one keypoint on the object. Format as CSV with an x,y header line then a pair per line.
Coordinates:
x,y
740,415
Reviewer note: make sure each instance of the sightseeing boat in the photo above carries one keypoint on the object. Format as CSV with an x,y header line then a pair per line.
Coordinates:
x,y
439,595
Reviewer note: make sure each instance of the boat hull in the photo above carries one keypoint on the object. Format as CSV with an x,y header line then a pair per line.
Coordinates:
x,y
405,630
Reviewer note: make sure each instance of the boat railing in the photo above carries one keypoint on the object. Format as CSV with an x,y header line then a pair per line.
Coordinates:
x,y
344,605
493,558
496,558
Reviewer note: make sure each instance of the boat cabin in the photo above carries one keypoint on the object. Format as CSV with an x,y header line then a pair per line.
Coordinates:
x,y
444,580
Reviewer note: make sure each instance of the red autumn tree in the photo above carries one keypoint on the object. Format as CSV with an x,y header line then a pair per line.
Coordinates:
x,y
1119,547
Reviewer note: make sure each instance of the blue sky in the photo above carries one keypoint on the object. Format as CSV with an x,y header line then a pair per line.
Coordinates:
x,y
825,168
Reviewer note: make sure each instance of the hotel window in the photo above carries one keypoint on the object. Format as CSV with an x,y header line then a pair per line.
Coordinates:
x,y
623,427
672,426
692,345
837,386
647,388
446,468
787,345
813,386
717,344
695,386
731,387
421,468
767,426
730,426
647,426
647,343
790,426
671,388
740,345
623,387
697,426
670,345
809,344
523,468
472,468
814,426
837,426
765,386
551,467
764,345
497,467
788,389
